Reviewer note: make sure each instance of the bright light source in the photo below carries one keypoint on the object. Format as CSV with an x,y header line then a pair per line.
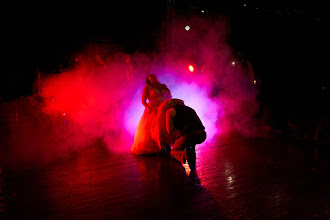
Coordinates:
x,y
202,11
244,5
233,63
187,28
191,68
255,82
63,113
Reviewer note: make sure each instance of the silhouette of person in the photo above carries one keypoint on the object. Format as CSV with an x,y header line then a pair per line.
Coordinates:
x,y
128,66
184,120
245,66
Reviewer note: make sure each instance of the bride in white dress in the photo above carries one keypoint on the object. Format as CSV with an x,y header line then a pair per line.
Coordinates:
x,y
151,135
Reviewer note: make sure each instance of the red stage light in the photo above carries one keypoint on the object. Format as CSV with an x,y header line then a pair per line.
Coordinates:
x,y
191,68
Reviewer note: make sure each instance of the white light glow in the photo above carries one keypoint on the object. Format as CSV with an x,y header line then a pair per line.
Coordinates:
x,y
191,68
187,28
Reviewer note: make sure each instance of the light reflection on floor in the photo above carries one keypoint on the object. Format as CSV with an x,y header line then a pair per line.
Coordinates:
x,y
236,177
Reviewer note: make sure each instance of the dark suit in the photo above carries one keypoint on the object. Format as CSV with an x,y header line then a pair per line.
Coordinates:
x,y
185,120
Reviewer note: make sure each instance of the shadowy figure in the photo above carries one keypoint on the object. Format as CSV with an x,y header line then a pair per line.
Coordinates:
x,y
245,67
128,67
184,120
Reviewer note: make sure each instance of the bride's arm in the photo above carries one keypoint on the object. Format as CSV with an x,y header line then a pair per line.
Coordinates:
x,y
145,96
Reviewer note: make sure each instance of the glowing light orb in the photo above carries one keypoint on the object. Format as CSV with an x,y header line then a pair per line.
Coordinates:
x,y
255,82
187,28
191,68
63,113
202,11
233,63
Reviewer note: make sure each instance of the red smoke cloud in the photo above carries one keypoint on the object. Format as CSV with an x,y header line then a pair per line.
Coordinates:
x,y
100,96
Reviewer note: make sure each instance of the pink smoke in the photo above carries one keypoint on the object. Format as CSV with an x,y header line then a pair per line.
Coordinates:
x,y
100,96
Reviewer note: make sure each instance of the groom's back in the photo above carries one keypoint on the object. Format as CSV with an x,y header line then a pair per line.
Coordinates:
x,y
186,119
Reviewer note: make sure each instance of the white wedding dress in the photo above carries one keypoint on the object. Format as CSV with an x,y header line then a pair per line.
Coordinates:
x,y
151,135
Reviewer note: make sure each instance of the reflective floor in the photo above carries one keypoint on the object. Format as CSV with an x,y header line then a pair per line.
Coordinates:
x,y
274,177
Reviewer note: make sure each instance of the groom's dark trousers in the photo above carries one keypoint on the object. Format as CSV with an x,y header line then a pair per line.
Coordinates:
x,y
184,146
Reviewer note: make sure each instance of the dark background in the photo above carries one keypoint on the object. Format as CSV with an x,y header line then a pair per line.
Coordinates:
x,y
285,41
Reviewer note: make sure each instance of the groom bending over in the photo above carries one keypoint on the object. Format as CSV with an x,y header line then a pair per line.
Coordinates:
x,y
184,119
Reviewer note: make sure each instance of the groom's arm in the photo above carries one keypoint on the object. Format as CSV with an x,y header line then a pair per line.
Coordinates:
x,y
170,114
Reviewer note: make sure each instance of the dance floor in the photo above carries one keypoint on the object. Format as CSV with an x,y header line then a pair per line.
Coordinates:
x,y
273,177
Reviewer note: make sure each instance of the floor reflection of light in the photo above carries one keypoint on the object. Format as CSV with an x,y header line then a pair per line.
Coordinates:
x,y
230,179
229,168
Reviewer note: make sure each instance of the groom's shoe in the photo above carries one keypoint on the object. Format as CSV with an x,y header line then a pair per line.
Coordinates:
x,y
167,148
